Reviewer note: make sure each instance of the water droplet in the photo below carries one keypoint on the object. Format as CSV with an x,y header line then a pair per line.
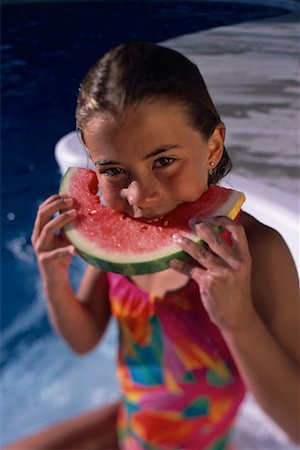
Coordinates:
x,y
11,216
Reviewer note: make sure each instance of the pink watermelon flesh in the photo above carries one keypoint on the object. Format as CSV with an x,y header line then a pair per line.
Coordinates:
x,y
115,242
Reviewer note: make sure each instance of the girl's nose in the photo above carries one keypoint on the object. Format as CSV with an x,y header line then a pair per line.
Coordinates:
x,y
141,194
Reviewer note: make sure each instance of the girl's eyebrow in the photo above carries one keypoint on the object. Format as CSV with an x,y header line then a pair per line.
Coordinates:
x,y
165,148
162,149
105,162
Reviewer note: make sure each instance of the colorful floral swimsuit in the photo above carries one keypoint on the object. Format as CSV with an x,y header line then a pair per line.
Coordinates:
x,y
181,388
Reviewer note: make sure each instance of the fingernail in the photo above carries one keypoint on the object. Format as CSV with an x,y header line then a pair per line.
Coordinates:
x,y
73,251
176,264
72,212
68,200
177,238
193,222
209,220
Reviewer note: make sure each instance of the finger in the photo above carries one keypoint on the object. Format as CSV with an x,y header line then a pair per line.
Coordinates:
x,y
237,232
47,209
184,267
62,252
59,253
50,230
199,251
51,206
213,238
52,198
61,239
190,268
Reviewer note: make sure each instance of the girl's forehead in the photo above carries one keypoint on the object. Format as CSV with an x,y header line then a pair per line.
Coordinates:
x,y
152,113
143,130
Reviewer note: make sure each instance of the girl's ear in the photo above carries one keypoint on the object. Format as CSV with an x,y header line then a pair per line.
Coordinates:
x,y
216,146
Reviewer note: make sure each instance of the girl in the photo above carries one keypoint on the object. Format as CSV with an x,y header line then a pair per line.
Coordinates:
x,y
194,336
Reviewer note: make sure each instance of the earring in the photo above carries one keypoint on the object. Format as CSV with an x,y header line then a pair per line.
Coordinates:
x,y
210,172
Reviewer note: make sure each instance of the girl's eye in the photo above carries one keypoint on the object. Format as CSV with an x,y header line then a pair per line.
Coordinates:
x,y
163,161
113,171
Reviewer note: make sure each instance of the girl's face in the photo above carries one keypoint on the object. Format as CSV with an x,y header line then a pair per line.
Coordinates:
x,y
152,160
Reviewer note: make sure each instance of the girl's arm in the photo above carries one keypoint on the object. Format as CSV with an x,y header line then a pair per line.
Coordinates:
x,y
267,349
80,319
256,310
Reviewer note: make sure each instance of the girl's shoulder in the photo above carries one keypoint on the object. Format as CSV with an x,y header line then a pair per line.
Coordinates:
x,y
274,276
269,251
267,246
257,231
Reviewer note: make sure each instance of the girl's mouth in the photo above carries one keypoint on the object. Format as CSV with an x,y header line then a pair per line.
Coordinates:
x,y
147,215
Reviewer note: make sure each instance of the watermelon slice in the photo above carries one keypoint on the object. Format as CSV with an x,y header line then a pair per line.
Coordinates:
x,y
115,242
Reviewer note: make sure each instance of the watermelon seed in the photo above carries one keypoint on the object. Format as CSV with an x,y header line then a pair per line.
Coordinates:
x,y
166,223
93,211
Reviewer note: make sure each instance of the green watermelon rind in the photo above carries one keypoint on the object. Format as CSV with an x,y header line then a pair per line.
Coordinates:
x,y
137,268
134,264
151,262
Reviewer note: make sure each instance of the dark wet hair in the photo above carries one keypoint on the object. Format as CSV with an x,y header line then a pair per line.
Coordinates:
x,y
135,72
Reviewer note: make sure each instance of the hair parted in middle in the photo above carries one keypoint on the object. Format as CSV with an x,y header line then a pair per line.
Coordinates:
x,y
138,72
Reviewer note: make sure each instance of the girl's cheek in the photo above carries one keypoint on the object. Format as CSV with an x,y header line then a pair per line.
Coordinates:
x,y
180,185
112,197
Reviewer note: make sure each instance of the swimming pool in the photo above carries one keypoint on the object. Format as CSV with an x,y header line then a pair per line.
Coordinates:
x,y
44,58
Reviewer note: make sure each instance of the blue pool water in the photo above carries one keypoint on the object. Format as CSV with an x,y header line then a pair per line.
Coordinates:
x,y
46,49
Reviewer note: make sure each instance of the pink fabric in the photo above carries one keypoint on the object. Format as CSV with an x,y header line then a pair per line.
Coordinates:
x,y
181,388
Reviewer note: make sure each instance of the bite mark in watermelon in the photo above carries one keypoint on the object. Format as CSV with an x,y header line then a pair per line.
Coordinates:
x,y
115,242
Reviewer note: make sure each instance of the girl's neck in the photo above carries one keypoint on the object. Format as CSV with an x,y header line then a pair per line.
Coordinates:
x,y
160,283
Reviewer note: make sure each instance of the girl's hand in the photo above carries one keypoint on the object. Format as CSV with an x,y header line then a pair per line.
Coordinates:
x,y
52,249
223,272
